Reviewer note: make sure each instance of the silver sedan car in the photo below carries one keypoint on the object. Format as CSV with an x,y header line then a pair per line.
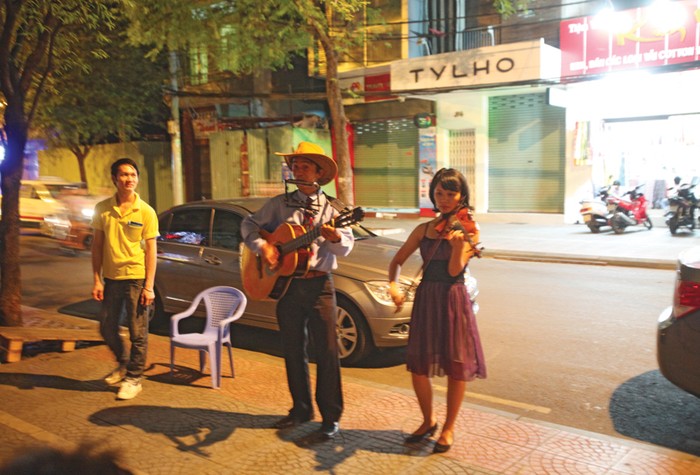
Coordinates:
x,y
678,330
199,248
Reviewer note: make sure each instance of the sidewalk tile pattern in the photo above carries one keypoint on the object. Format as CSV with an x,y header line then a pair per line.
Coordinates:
x,y
178,424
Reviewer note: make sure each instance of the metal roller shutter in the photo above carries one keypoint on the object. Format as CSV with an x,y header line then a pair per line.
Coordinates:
x,y
526,155
462,145
386,164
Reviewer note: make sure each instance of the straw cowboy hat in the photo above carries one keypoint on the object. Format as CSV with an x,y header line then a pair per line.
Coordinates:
x,y
314,153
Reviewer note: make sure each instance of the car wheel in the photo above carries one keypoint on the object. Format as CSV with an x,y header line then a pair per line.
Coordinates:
x,y
354,341
159,320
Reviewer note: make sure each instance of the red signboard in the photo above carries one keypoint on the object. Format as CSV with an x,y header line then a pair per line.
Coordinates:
x,y
377,87
659,35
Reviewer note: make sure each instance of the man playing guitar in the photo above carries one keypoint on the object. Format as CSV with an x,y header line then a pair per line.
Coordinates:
x,y
309,305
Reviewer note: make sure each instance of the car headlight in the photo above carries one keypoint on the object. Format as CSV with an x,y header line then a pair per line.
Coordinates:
x,y
380,291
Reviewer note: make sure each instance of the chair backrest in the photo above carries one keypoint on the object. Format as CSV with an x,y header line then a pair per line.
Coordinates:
x,y
222,302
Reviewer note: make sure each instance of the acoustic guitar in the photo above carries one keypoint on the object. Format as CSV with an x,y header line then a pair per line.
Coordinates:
x,y
292,242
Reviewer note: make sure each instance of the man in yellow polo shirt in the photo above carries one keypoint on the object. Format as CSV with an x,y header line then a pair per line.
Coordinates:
x,y
124,255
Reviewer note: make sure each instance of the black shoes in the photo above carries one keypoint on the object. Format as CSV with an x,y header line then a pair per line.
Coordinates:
x,y
329,430
415,438
441,448
290,421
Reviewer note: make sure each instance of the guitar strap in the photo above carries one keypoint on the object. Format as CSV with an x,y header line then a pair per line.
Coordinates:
x,y
338,205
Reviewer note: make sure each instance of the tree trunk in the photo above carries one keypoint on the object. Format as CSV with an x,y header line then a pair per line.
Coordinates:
x,y
81,154
11,169
339,122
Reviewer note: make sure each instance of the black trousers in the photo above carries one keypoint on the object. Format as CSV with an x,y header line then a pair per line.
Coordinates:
x,y
309,308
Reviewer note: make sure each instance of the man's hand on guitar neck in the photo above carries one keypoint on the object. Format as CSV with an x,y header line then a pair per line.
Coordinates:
x,y
270,255
330,233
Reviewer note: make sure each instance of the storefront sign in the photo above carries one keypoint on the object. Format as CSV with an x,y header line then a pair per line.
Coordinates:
x,y
204,125
427,155
366,88
630,39
378,87
524,61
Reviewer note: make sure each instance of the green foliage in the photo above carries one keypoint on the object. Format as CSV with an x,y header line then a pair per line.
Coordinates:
x,y
112,94
510,7
245,35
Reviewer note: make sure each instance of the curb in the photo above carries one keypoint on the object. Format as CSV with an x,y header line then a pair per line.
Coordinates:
x,y
530,256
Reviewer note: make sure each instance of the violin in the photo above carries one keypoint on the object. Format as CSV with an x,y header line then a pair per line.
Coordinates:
x,y
463,221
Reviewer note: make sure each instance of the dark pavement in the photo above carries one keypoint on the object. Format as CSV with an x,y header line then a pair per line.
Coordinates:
x,y
178,424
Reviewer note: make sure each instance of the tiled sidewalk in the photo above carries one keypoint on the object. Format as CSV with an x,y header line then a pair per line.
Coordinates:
x,y
180,425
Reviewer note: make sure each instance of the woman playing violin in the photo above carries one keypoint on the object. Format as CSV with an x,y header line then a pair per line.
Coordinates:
x,y
444,339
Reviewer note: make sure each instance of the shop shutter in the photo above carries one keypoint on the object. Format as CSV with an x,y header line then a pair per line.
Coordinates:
x,y
386,164
225,155
462,145
526,155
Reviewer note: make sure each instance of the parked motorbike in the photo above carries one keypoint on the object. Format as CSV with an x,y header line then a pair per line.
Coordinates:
x,y
595,211
681,208
629,212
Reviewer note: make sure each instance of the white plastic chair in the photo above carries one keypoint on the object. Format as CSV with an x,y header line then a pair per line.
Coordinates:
x,y
223,305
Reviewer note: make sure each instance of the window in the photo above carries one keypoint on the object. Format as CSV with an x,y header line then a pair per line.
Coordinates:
x,y
189,226
226,230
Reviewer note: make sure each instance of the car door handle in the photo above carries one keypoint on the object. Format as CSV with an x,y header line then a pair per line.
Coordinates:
x,y
212,260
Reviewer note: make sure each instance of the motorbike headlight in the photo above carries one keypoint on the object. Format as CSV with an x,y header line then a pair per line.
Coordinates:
x,y
87,212
380,291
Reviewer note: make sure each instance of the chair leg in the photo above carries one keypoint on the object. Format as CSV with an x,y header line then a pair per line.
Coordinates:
x,y
172,358
215,364
230,360
202,360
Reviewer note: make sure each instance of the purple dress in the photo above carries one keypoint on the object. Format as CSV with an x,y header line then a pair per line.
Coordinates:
x,y
444,339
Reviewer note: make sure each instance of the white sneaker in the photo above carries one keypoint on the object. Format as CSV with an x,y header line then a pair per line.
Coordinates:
x,y
129,389
116,376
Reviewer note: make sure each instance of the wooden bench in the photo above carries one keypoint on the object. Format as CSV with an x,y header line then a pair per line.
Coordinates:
x,y
12,339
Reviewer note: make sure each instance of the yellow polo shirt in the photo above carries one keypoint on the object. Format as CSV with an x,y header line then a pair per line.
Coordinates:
x,y
123,255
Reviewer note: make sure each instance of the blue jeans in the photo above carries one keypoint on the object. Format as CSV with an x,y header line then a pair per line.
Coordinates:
x,y
121,295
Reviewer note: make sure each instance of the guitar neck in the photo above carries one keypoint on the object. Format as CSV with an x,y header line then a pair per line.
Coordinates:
x,y
302,241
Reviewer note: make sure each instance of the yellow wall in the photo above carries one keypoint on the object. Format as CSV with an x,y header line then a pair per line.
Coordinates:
x,y
152,158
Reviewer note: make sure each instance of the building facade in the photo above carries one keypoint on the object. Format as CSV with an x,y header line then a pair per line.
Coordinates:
x,y
538,109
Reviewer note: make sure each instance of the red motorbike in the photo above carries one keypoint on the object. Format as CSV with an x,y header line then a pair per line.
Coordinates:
x,y
629,212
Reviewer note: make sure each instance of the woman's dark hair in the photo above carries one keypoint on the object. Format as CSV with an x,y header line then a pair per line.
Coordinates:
x,y
452,180
124,161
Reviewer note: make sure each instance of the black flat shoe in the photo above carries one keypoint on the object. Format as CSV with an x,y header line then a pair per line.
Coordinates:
x,y
329,430
290,421
415,438
441,448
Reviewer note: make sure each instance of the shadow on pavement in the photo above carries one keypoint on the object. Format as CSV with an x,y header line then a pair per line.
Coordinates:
x,y
650,408
189,428
33,381
193,429
89,308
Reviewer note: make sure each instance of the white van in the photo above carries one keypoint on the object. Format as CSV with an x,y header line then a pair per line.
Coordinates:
x,y
43,197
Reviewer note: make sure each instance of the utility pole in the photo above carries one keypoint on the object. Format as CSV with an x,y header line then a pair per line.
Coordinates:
x,y
174,130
